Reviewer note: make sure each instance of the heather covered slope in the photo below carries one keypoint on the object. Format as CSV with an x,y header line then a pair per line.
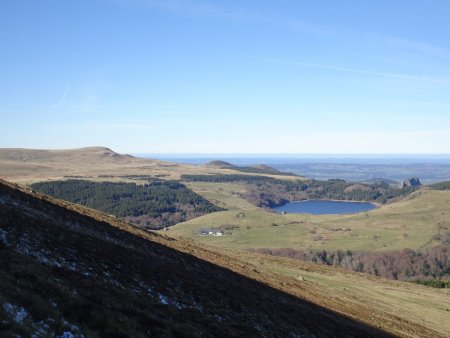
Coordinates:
x,y
67,268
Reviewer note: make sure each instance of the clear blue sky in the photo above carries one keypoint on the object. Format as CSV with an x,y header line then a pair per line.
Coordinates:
x,y
201,76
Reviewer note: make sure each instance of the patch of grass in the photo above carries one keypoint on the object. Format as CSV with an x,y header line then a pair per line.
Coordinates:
x,y
224,195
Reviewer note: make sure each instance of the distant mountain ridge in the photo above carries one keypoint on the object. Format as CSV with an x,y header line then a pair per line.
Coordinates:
x,y
34,165
220,164
39,162
254,168
32,154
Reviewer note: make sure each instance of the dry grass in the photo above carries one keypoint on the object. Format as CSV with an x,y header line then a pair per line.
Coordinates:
x,y
389,305
27,166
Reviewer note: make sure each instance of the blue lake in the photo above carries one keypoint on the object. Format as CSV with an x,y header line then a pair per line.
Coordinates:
x,y
317,207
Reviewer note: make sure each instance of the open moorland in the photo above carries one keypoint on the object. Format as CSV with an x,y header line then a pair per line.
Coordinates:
x,y
413,219
96,163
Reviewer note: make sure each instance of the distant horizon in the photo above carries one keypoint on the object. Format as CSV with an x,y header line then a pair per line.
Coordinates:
x,y
291,159
288,155
232,154
430,168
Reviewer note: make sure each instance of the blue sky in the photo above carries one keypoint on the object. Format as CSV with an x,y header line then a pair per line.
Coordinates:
x,y
200,76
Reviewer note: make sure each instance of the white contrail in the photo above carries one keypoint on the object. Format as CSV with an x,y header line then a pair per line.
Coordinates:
x,y
362,71
62,100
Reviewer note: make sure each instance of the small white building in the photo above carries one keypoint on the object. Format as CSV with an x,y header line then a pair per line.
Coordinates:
x,y
208,231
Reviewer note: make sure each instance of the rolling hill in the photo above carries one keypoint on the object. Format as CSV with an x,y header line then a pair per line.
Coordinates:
x,y
30,165
95,163
219,164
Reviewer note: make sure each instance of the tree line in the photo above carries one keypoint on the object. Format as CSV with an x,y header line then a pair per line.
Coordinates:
x,y
429,267
155,204
269,192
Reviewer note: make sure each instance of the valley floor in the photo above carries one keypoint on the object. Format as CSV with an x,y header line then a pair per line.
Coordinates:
x,y
414,222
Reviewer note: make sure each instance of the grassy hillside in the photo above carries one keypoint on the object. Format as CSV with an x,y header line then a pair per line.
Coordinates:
x,y
84,272
441,185
225,195
96,163
410,223
386,302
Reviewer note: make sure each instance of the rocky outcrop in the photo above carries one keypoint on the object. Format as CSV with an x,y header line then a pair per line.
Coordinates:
x,y
412,182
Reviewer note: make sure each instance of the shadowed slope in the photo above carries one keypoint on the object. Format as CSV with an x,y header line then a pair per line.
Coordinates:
x,y
64,270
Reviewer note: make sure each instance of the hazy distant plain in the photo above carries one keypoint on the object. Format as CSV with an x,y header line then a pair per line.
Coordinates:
x,y
429,168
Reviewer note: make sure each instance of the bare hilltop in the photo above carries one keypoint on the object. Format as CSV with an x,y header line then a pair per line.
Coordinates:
x,y
97,163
